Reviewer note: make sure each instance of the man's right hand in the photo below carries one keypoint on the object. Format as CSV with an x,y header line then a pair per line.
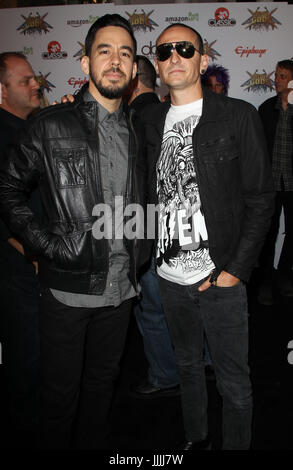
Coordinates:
x,y
65,99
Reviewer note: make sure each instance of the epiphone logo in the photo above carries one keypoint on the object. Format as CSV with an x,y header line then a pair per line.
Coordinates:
x,y
246,51
77,82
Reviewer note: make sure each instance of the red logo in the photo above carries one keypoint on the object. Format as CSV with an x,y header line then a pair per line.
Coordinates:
x,y
222,14
222,18
54,46
54,51
246,51
77,82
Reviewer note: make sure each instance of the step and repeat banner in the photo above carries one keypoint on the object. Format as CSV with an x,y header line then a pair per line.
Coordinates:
x,y
246,38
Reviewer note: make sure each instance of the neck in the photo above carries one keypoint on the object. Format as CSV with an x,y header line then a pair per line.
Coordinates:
x,y
284,99
185,96
110,105
16,112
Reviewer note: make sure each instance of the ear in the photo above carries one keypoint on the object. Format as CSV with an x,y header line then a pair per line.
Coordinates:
x,y
134,70
85,64
204,62
156,66
3,93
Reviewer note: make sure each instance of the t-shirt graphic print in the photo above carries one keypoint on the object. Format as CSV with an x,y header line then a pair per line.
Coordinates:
x,y
183,253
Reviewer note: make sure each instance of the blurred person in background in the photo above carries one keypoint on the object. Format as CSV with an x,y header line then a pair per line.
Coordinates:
x,y
277,117
19,285
217,79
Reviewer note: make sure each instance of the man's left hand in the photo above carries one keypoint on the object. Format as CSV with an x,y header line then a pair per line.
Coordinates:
x,y
224,280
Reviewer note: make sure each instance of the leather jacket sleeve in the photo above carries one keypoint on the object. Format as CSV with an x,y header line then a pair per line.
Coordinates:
x,y
21,172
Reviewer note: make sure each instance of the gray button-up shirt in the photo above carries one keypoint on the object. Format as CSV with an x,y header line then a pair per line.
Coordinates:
x,y
113,151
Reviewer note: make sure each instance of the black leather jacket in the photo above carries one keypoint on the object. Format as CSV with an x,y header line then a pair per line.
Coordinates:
x,y
59,153
234,178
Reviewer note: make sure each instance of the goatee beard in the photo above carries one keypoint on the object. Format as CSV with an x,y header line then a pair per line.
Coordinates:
x,y
110,92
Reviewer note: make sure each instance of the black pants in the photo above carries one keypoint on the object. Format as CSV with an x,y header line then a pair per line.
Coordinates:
x,y
283,199
19,297
220,313
80,353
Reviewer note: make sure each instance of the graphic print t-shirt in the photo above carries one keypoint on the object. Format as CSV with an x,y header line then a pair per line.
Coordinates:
x,y
183,254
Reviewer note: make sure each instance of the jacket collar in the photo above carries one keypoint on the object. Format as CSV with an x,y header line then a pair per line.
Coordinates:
x,y
90,108
214,108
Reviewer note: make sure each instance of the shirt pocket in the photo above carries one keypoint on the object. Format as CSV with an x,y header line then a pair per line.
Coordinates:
x,y
219,151
70,167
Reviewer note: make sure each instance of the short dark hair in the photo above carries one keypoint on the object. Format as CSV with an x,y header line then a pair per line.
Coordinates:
x,y
108,20
146,72
200,41
286,64
3,63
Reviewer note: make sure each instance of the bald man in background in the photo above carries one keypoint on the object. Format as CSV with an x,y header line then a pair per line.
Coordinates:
x,y
19,285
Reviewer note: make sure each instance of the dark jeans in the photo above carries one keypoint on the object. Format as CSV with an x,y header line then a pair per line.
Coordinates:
x,y
152,325
19,296
283,199
80,353
222,314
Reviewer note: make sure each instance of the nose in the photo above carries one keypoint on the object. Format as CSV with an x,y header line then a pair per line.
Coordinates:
x,y
175,57
35,83
115,58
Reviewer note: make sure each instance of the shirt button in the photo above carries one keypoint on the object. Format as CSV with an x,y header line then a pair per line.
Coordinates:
x,y
110,284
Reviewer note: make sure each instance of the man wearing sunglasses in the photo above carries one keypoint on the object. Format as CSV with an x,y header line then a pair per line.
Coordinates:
x,y
210,176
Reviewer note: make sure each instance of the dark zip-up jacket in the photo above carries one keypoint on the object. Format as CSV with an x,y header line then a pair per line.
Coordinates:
x,y
234,178
269,115
59,152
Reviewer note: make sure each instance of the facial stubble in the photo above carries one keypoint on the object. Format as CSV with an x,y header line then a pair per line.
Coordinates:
x,y
111,92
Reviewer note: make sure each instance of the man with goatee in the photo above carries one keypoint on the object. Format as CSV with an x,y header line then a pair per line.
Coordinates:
x,y
80,155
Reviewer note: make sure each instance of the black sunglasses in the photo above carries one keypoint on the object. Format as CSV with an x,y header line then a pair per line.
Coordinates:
x,y
184,48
